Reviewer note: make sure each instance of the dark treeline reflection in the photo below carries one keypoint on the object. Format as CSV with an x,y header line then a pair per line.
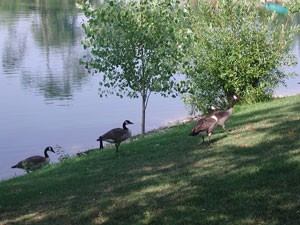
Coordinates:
x,y
41,46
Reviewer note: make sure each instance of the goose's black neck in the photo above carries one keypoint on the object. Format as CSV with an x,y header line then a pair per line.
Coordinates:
x,y
49,148
231,104
124,126
45,153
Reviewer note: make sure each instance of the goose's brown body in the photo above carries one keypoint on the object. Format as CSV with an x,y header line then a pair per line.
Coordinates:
x,y
205,126
116,135
34,162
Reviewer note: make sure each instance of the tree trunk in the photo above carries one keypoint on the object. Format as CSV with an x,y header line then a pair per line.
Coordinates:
x,y
144,98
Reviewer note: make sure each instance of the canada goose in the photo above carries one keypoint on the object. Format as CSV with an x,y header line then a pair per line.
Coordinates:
x,y
223,116
205,126
116,135
34,162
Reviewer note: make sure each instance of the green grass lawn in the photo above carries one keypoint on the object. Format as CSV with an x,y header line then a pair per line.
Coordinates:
x,y
248,175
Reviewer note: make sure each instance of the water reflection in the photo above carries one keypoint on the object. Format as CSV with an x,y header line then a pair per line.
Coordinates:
x,y
58,24
13,51
47,32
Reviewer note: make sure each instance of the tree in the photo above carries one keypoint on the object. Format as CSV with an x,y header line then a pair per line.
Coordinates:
x,y
238,48
136,47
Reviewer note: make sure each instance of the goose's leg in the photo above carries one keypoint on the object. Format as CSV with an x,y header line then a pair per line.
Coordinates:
x,y
117,147
101,142
224,128
209,134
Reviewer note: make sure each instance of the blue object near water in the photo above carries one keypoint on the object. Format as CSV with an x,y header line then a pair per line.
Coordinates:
x,y
276,7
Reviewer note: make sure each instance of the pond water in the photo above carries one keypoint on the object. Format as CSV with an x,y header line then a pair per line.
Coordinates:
x,y
47,98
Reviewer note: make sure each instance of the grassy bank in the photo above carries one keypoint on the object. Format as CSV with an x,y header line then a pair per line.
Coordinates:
x,y
249,175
